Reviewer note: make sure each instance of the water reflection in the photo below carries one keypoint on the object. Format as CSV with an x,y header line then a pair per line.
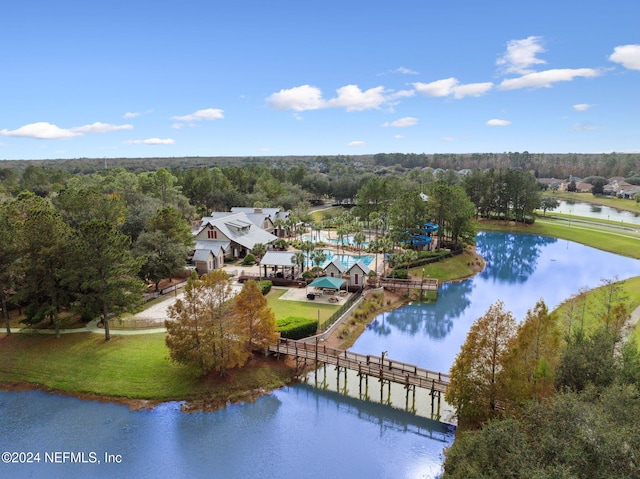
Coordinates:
x,y
511,258
295,432
576,208
385,418
520,270
433,320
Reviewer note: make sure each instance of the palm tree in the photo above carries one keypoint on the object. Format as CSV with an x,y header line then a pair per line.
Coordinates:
x,y
307,247
297,260
280,224
342,231
318,257
315,226
358,239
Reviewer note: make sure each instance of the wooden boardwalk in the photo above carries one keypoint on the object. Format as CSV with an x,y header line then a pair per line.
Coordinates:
x,y
378,367
426,284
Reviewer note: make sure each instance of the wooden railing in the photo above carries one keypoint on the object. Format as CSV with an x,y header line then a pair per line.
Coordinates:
x,y
374,366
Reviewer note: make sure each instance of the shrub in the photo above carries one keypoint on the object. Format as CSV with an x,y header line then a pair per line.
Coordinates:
x,y
308,275
249,260
265,286
296,328
400,274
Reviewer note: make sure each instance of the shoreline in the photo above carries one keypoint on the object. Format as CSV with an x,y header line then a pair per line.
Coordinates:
x,y
205,402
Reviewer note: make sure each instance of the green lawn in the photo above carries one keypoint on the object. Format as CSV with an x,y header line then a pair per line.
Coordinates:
x,y
135,367
457,267
284,308
131,366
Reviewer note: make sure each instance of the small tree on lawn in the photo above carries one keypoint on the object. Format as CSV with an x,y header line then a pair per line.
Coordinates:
x,y
255,317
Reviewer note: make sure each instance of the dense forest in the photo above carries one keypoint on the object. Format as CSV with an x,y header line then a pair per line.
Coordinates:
x,y
544,165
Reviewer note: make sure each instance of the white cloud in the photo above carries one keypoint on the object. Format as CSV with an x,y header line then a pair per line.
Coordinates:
x,y
177,126
497,122
353,98
99,127
521,54
547,78
582,107
399,137
438,88
298,117
472,89
447,138
356,144
627,55
206,114
585,127
131,114
349,97
400,94
402,122
300,98
404,71
151,141
46,131
452,87
42,131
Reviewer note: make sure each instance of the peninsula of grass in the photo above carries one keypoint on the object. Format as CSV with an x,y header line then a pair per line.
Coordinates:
x,y
457,267
124,368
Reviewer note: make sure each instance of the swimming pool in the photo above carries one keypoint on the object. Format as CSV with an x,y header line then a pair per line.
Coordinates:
x,y
347,240
347,259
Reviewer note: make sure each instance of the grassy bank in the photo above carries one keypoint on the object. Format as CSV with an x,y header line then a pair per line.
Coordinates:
x,y
461,266
589,233
133,367
589,303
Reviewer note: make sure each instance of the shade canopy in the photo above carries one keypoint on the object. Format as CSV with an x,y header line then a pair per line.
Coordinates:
x,y
327,282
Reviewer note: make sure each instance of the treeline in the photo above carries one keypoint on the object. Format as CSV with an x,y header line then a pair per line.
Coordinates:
x,y
544,165
549,397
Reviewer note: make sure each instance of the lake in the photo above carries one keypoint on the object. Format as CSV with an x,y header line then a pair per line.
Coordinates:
x,y
300,431
597,211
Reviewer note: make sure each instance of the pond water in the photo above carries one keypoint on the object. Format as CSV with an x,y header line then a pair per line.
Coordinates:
x,y
598,212
301,431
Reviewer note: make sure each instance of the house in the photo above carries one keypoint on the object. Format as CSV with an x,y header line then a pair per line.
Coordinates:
x,y
335,269
358,274
234,233
267,219
208,255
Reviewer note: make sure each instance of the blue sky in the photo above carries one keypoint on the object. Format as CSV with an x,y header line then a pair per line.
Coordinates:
x,y
250,78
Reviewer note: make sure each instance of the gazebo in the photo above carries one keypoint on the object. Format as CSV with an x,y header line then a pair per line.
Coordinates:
x,y
328,285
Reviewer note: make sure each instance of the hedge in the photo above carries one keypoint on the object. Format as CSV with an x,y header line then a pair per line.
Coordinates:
x,y
294,327
265,286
